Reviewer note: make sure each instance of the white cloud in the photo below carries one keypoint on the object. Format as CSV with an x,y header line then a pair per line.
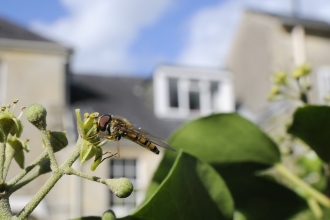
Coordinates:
x,y
101,31
211,30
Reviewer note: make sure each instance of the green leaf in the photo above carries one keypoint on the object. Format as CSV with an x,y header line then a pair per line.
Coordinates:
x,y
192,190
236,148
312,125
260,197
88,218
226,138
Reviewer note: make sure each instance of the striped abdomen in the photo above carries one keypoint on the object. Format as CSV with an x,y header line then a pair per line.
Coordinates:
x,y
141,140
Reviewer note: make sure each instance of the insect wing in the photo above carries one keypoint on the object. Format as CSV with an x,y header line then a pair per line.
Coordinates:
x,y
154,139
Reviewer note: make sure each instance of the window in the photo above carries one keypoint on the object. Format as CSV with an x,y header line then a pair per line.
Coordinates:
x,y
188,92
323,81
123,168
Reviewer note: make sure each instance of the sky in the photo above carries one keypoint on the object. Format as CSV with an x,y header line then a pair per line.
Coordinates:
x,y
131,38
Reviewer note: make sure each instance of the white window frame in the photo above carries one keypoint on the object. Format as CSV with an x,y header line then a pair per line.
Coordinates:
x,y
323,83
225,101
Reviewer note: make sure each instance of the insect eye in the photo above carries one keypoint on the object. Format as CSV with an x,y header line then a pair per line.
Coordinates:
x,y
103,122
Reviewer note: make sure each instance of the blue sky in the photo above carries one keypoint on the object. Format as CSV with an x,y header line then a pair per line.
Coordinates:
x,y
128,37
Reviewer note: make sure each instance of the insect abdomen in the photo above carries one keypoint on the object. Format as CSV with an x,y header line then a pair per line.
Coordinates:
x,y
143,141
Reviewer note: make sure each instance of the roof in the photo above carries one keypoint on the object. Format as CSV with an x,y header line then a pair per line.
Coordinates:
x,y
130,98
9,30
293,20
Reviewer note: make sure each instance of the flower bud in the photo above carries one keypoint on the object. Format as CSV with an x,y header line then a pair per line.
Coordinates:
x,y
109,215
122,187
7,123
36,114
280,77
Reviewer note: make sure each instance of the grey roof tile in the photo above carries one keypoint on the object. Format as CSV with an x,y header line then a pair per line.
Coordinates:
x,y
9,30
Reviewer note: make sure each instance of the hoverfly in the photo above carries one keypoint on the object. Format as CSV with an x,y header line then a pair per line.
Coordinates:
x,y
118,127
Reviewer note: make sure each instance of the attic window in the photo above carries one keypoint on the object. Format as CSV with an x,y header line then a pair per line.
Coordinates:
x,y
173,93
191,95
323,80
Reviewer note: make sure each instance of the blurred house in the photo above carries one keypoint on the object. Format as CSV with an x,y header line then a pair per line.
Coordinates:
x,y
266,43
33,69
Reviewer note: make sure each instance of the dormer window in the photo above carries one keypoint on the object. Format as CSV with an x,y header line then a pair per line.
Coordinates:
x,y
191,92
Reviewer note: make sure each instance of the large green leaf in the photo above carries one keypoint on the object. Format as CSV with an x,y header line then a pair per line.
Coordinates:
x,y
260,197
237,149
192,190
312,125
226,138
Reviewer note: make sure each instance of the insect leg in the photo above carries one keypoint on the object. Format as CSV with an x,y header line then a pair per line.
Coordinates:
x,y
118,146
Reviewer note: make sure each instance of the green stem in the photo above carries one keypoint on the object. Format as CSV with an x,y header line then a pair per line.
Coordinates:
x,y
315,208
27,169
5,211
71,171
10,152
34,202
319,197
25,182
26,211
2,156
51,155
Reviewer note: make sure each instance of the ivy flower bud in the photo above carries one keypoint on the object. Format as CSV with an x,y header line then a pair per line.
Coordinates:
x,y
275,90
7,123
36,114
280,77
109,215
122,187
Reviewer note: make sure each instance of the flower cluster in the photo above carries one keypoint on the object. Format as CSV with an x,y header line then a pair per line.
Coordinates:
x,y
291,86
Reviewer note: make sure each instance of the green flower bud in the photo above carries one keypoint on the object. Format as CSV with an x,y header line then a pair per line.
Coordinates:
x,y
122,187
109,215
36,114
306,69
58,140
280,77
7,124
302,70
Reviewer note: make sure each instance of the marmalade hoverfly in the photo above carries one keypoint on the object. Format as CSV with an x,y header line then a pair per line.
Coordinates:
x,y
118,127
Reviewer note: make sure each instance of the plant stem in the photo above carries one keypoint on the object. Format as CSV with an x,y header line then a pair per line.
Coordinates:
x,y
23,183
315,208
26,211
10,152
27,169
5,211
2,156
72,171
51,155
34,202
296,181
